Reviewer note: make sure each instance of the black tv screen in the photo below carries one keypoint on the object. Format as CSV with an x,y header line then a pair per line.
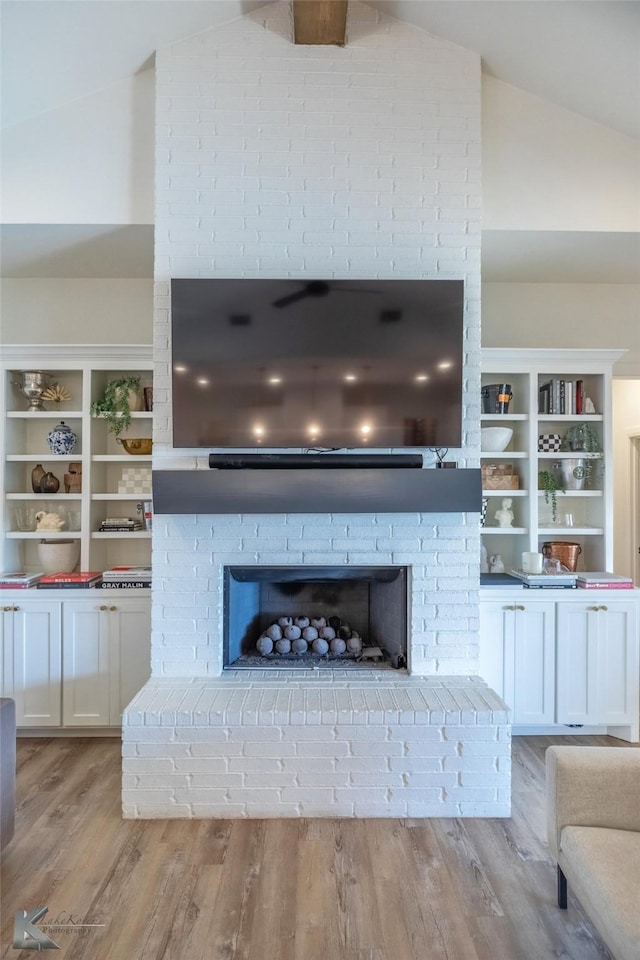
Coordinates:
x,y
321,364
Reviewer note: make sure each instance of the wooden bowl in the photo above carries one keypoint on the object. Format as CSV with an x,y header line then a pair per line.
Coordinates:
x,y
142,445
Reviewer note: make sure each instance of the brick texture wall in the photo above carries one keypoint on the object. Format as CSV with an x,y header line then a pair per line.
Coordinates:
x,y
276,160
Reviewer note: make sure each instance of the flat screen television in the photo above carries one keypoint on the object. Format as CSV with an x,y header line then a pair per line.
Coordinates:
x,y
335,364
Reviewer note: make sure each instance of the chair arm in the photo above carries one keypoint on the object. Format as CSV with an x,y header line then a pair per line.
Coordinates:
x,y
592,787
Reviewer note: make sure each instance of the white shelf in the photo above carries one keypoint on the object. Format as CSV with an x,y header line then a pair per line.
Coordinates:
x,y
592,508
42,455
85,370
44,415
502,531
504,454
44,496
43,535
120,496
121,458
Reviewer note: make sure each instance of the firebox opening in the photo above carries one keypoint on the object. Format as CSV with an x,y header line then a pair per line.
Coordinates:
x,y
324,617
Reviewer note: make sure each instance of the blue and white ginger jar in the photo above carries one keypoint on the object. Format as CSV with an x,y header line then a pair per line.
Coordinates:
x,y
61,439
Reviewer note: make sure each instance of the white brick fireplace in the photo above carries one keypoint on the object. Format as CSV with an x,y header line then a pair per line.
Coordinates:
x,y
274,160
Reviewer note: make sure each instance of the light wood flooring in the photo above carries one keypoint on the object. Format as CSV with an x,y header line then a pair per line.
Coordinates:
x,y
281,889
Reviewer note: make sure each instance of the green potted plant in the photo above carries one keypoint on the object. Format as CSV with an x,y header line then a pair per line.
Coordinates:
x,y
552,486
582,437
119,397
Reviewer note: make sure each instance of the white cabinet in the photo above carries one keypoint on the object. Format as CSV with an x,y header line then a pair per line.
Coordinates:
x,y
77,662
597,662
104,491
583,515
30,638
565,662
517,657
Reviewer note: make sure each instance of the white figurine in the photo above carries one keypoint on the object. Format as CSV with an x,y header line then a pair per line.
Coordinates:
x,y
504,515
496,564
49,521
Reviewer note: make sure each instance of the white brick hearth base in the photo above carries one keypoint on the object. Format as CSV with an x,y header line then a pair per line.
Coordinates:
x,y
256,745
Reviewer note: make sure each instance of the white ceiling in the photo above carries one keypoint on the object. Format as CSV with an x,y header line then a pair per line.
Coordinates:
x,y
581,54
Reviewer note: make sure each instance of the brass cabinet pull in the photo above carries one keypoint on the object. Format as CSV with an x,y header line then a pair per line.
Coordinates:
x,y
603,607
103,606
113,608
15,608
514,606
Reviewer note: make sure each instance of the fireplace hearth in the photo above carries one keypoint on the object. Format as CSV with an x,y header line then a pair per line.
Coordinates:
x,y
318,617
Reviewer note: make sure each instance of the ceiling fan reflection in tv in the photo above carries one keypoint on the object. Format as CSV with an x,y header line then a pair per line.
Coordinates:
x,y
316,288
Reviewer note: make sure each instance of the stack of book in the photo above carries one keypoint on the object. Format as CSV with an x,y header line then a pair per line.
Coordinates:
x,y
561,396
121,525
603,581
126,578
69,579
546,581
19,580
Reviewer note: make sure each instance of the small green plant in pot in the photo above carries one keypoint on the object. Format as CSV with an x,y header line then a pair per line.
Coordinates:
x,y
582,437
551,485
115,405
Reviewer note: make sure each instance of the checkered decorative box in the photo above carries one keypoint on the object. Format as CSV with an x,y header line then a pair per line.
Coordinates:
x,y
549,442
135,480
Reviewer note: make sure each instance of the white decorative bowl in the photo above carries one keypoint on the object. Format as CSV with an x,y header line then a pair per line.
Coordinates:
x,y
55,556
495,439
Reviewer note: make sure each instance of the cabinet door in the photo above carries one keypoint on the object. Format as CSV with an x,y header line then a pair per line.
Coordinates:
x,y
32,662
534,663
495,624
617,662
517,653
597,662
130,652
85,664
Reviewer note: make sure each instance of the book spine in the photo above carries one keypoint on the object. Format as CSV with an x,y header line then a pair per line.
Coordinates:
x,y
66,586
579,397
126,585
562,395
605,586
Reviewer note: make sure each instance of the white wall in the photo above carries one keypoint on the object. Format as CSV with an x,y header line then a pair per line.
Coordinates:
x,y
546,168
626,421
564,315
90,161
76,311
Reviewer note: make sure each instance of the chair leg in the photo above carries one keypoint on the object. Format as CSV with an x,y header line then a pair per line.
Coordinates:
x,y
562,890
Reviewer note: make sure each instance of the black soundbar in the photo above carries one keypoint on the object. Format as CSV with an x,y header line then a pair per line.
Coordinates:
x,y
307,461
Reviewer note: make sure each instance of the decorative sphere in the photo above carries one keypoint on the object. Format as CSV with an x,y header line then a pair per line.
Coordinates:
x,y
310,634
274,631
327,633
285,621
299,645
354,645
283,646
292,632
264,645
318,622
302,622
320,646
338,645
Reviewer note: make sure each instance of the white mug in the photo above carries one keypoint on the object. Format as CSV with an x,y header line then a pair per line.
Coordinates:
x,y
532,562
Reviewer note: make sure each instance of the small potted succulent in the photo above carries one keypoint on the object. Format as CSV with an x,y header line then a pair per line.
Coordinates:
x,y
121,396
581,437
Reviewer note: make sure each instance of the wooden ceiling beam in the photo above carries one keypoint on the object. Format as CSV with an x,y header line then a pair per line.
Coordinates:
x,y
320,21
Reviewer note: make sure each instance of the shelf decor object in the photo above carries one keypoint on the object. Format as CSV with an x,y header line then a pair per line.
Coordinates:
x,y
495,439
552,486
121,396
34,383
61,439
56,555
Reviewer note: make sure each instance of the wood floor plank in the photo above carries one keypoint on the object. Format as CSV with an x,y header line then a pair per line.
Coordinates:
x,y
304,889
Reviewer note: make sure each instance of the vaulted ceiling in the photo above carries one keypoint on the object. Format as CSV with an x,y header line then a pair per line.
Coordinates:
x,y
583,55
